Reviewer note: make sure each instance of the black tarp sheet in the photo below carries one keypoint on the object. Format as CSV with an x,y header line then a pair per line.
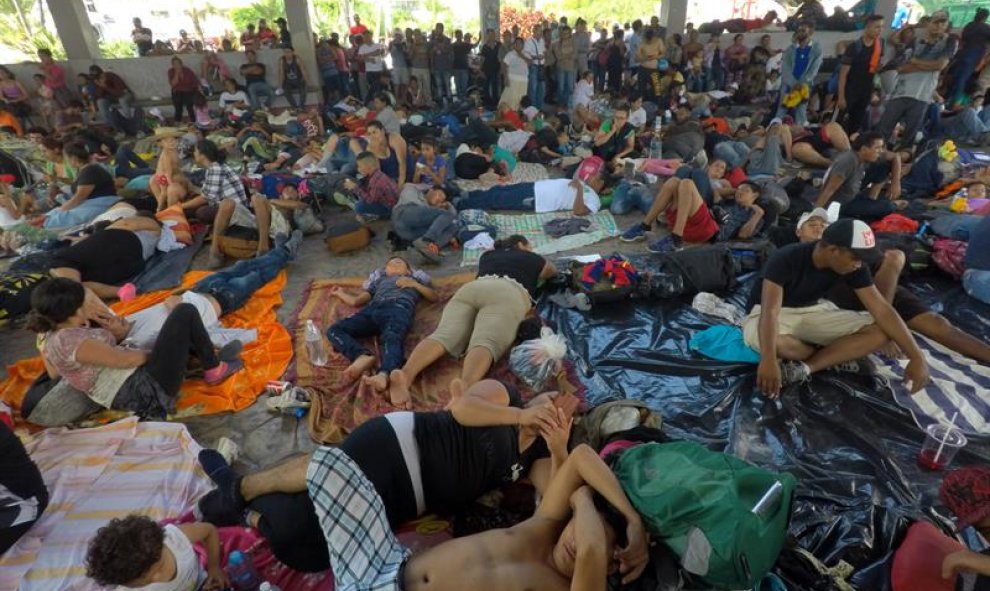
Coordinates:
x,y
851,447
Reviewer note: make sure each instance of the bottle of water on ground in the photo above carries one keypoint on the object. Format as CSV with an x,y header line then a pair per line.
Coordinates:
x,y
315,348
241,572
656,144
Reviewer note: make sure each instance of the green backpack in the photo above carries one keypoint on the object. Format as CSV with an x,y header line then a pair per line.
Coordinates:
x,y
726,519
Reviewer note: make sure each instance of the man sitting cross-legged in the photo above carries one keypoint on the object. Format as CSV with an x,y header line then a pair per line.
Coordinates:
x,y
566,545
417,462
788,318
389,297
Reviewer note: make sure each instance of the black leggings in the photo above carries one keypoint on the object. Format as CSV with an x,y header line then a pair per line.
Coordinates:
x,y
183,333
110,256
183,98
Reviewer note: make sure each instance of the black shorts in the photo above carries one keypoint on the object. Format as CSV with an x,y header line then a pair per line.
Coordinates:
x,y
817,139
109,256
374,447
908,305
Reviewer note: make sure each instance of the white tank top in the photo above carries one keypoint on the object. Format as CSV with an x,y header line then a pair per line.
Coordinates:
x,y
189,576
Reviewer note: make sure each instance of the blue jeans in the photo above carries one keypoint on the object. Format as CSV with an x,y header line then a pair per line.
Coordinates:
x,y
233,286
565,86
734,153
419,221
296,95
627,197
461,81
977,284
390,319
375,209
517,197
536,88
441,78
967,65
124,158
966,126
260,90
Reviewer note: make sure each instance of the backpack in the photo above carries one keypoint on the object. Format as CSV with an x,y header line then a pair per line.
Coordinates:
x,y
605,420
705,268
606,280
895,223
948,255
725,518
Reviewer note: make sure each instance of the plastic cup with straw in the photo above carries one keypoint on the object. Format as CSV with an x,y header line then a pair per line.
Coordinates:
x,y
941,444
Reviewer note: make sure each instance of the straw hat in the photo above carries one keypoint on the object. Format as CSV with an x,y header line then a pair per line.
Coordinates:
x,y
168,132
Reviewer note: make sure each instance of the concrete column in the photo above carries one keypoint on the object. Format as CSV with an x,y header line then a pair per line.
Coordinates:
x,y
489,11
673,15
74,29
297,17
887,8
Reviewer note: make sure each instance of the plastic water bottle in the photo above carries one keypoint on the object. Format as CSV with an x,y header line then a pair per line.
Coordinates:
x,y
314,345
921,231
770,500
266,586
656,144
241,572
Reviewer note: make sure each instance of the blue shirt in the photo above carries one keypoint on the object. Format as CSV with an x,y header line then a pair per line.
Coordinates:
x,y
802,57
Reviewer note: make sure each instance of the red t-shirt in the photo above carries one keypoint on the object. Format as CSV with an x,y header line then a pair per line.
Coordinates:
x,y
358,30
187,80
514,118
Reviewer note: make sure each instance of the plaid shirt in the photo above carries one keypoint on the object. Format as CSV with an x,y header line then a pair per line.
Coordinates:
x,y
221,182
377,188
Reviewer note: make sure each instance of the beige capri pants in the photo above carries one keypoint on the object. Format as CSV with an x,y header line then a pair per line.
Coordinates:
x,y
820,324
484,313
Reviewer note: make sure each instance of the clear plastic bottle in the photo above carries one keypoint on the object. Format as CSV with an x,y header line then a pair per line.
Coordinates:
x,y
315,349
656,144
241,572
266,586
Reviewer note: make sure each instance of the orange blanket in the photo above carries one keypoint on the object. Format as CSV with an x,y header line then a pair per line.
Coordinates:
x,y
264,359
340,404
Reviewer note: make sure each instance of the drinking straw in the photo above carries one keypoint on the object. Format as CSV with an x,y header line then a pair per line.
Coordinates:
x,y
941,445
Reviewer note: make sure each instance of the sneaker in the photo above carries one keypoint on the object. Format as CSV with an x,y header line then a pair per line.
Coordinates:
x,y
343,200
665,245
366,218
228,449
290,398
429,250
794,372
859,366
231,351
633,234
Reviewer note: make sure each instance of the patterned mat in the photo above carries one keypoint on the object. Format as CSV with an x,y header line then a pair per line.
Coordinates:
x,y
525,172
531,225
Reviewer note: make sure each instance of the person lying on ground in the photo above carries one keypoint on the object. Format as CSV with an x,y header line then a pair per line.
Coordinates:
x,y
373,195
709,186
771,151
224,192
93,361
114,254
481,320
684,138
486,437
540,196
426,219
92,182
388,301
566,545
809,228
136,552
857,178
799,334
25,493
817,146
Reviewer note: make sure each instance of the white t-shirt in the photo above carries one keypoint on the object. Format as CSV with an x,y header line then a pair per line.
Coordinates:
x,y
7,220
229,100
558,195
583,93
148,322
638,118
517,66
188,574
536,50
372,64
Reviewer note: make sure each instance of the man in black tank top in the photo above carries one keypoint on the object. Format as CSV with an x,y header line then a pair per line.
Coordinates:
x,y
418,463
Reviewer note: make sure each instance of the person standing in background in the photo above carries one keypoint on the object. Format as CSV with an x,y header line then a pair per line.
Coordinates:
x,y
582,44
859,65
442,62
974,42
185,86
142,38
799,67
399,51
461,47
284,36
419,60
565,55
535,52
632,46
371,54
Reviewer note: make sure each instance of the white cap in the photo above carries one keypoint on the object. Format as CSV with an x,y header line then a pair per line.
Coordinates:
x,y
817,212
776,121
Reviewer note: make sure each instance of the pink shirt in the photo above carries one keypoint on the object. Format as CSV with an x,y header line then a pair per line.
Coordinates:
x,y
54,76
60,351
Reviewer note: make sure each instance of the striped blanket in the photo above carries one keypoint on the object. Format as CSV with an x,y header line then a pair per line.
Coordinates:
x,y
531,225
958,384
92,476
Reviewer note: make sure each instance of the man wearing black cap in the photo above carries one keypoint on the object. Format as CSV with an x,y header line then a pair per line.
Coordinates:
x,y
789,320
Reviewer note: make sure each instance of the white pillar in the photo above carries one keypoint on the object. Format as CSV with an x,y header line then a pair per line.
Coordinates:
x,y
887,9
489,12
673,15
297,18
74,29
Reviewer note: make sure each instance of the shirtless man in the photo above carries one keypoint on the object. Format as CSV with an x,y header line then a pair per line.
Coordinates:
x,y
560,547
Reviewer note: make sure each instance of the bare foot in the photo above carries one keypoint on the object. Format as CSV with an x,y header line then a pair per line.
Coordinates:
x,y
398,390
379,381
457,388
360,366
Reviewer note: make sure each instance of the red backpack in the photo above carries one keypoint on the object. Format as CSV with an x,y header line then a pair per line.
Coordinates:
x,y
895,223
948,256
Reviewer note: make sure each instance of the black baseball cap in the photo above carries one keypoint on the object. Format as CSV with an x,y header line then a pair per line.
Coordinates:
x,y
855,235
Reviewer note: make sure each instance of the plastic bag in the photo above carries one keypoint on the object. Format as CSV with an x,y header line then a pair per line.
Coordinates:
x,y
536,361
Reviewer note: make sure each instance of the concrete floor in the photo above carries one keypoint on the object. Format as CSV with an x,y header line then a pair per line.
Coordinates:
x,y
264,437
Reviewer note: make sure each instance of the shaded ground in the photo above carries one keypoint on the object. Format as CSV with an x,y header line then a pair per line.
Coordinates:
x,y
264,437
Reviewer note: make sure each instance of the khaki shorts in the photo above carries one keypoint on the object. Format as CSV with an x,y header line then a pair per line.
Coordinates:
x,y
243,217
820,324
484,313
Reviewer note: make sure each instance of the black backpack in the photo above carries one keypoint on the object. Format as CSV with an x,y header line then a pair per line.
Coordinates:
x,y
703,269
